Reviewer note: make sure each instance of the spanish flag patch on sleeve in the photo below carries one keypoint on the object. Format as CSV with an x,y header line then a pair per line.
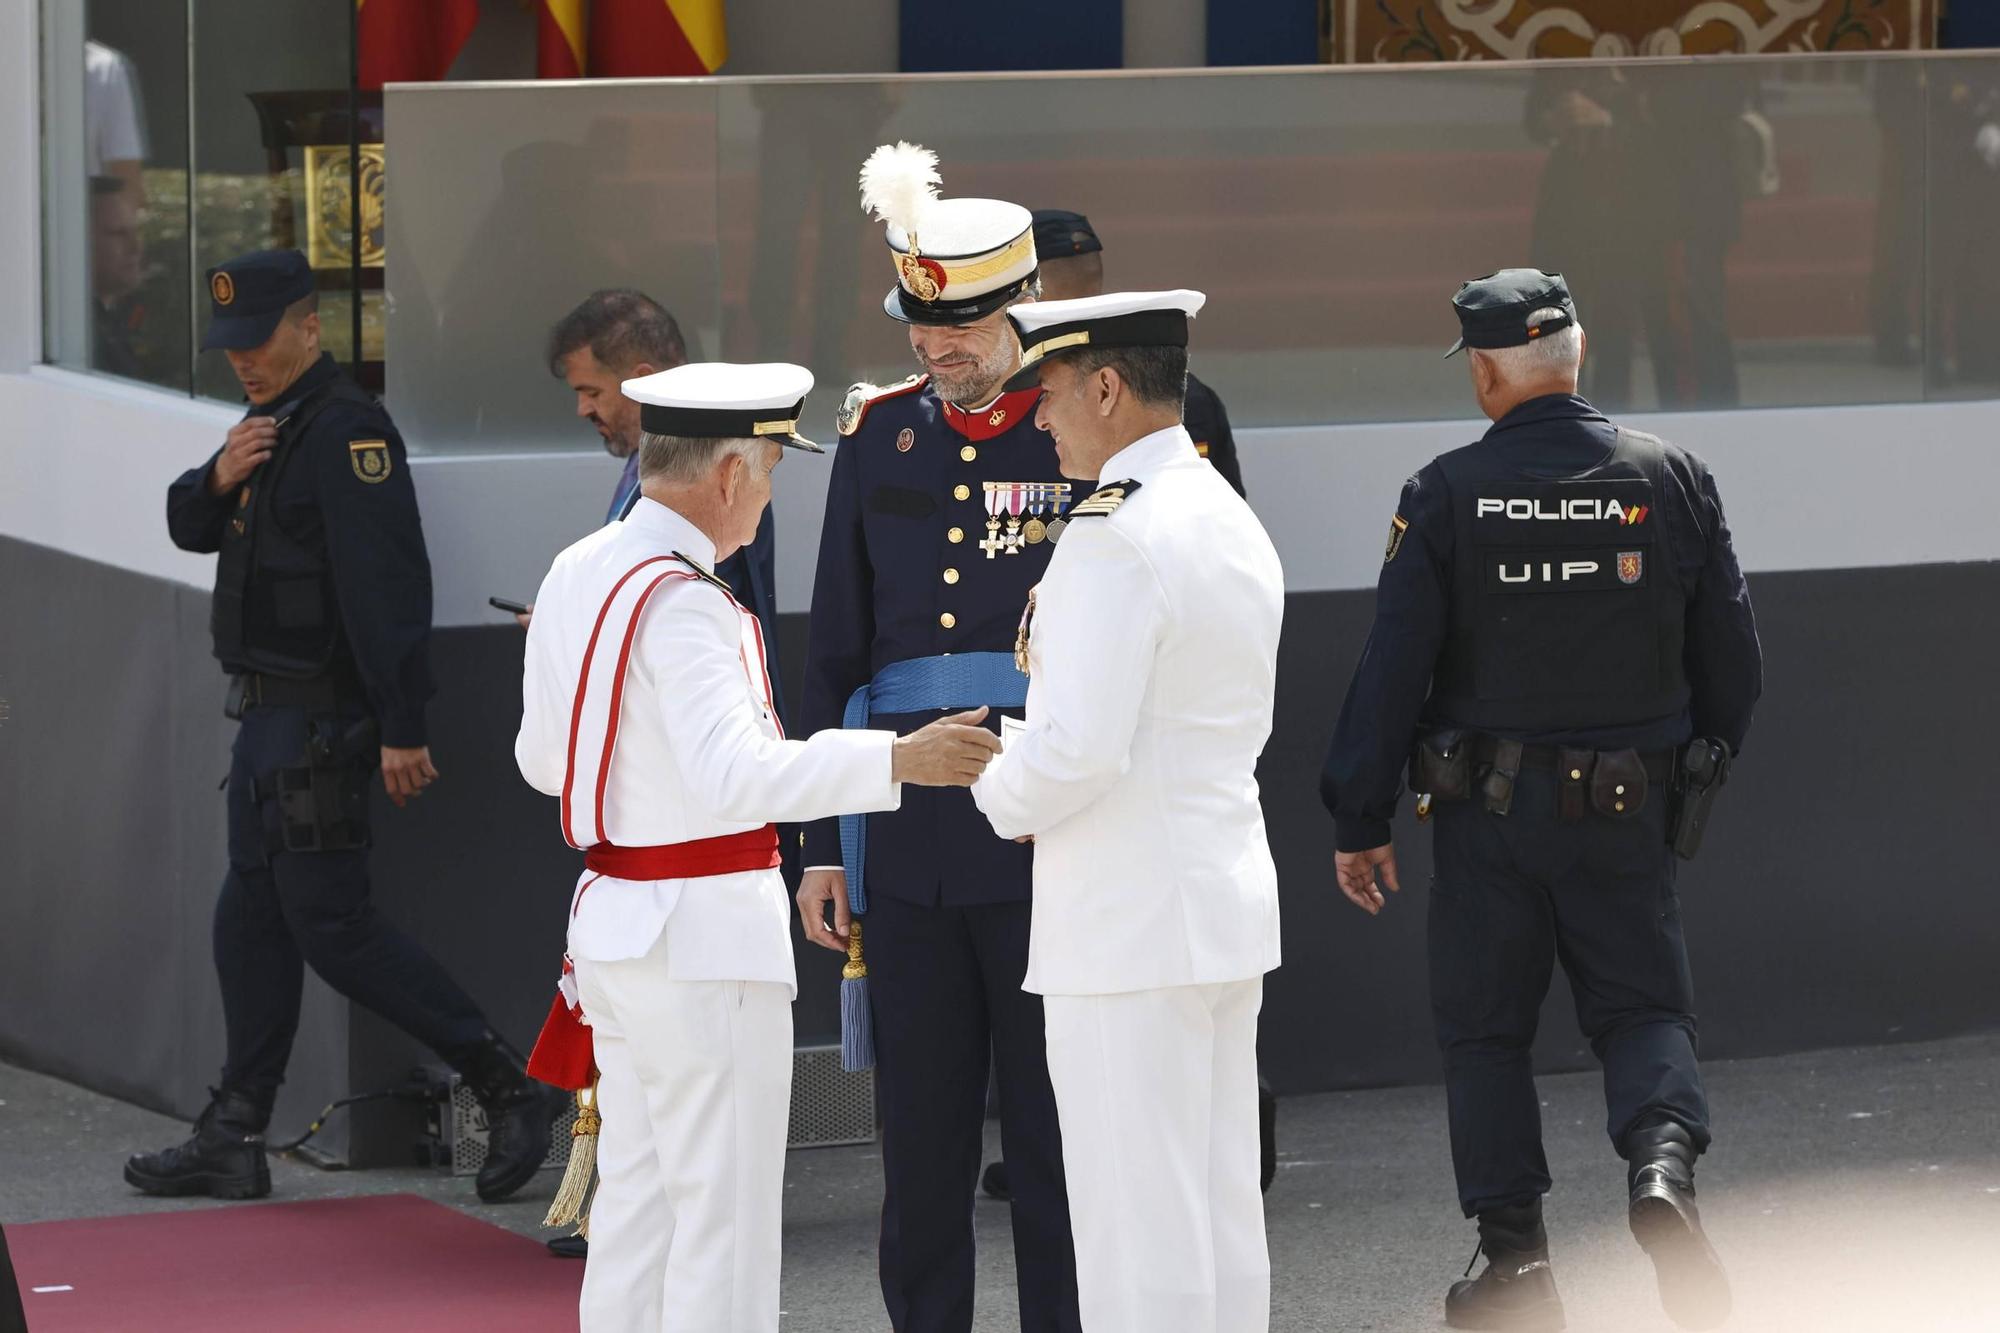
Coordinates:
x,y
1397,527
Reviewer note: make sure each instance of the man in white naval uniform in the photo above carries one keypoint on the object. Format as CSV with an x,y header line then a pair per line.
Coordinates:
x,y
646,706
1151,646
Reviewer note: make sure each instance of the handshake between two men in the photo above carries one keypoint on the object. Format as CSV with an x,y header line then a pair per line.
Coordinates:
x,y
951,752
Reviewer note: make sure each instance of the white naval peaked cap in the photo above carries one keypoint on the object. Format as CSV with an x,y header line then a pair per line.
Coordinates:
x,y
725,400
957,260
1115,319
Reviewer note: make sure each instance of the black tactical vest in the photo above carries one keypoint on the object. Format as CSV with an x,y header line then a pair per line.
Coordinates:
x,y
274,609
1567,611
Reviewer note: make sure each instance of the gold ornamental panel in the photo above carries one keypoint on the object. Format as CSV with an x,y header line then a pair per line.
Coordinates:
x,y
1396,31
329,212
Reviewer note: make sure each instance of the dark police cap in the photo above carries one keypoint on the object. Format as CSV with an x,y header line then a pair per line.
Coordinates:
x,y
247,297
1061,234
1493,311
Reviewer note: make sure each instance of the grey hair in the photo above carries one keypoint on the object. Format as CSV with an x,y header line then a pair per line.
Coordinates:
x,y
1559,353
681,460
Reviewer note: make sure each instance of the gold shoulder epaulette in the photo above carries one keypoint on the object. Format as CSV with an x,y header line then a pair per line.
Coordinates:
x,y
1104,500
862,396
704,575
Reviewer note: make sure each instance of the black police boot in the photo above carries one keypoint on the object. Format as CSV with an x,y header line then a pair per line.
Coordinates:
x,y
1667,1225
1518,1288
519,1113
996,1182
225,1158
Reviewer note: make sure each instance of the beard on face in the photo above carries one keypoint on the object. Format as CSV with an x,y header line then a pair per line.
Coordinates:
x,y
970,383
613,445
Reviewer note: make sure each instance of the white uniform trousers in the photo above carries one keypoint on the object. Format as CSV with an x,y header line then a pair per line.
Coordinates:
x,y
695,1089
1157,1091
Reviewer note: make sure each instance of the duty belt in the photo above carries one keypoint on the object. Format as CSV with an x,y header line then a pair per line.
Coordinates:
x,y
1659,764
1613,783
255,689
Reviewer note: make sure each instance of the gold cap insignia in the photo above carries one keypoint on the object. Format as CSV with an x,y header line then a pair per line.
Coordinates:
x,y
370,460
922,278
223,288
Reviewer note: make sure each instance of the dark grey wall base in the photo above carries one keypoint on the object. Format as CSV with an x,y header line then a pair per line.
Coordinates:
x,y
1846,894
111,842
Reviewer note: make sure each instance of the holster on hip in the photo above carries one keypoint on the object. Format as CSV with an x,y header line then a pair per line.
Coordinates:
x,y
323,802
1699,775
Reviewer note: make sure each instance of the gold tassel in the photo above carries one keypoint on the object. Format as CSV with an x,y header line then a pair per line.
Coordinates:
x,y
572,1199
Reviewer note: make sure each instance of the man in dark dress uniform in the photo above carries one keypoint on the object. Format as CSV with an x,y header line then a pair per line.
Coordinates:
x,y
938,522
321,618
1564,636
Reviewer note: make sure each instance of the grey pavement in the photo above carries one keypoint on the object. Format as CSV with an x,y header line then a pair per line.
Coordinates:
x,y
1848,1190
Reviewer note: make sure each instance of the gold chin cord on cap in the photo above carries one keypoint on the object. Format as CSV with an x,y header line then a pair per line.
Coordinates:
x,y
572,1201
775,427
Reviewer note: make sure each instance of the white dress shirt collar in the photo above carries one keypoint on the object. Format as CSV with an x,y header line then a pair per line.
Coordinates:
x,y
672,530
1148,454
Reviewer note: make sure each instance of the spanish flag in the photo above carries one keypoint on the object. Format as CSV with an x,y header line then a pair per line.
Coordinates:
x,y
562,39
638,38
411,41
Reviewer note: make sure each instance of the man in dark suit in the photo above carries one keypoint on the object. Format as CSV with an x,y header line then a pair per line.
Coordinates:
x,y
619,334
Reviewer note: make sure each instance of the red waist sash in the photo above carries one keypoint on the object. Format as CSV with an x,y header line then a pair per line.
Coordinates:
x,y
563,1055
756,849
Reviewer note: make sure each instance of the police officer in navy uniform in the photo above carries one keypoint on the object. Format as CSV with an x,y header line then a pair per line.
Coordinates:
x,y
1564,636
1071,256
940,517
321,618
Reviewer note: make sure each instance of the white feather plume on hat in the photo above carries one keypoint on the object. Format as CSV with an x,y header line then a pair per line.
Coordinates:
x,y
899,183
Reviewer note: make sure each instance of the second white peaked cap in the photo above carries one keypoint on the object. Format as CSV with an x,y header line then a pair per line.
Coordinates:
x,y
1115,319
957,260
725,400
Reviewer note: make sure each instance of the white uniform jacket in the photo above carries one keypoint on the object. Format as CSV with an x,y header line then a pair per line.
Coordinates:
x,y
692,751
1153,653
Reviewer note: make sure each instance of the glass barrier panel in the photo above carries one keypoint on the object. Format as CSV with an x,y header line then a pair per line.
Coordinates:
x,y
271,115
1738,232
116,220
516,202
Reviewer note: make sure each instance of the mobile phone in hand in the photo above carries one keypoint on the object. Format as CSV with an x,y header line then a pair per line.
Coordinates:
x,y
511,608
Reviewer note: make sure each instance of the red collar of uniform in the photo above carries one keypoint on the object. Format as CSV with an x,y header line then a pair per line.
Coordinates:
x,y
996,418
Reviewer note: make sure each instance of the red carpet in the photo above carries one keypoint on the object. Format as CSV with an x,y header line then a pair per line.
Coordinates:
x,y
379,1265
